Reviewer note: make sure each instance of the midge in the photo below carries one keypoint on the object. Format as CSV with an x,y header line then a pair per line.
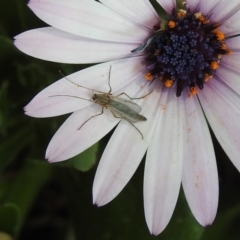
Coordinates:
x,y
119,107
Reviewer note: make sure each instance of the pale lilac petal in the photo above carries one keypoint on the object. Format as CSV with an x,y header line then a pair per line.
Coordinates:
x,y
69,140
193,5
232,61
233,44
89,19
168,5
163,168
125,150
223,10
222,109
139,11
230,77
55,45
206,7
232,25
200,178
96,77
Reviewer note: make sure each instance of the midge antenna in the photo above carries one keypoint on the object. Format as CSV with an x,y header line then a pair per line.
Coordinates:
x,y
78,85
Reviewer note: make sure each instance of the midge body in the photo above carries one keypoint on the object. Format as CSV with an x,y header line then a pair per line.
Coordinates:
x,y
119,107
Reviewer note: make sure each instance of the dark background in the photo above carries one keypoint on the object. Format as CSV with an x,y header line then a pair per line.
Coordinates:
x,y
39,200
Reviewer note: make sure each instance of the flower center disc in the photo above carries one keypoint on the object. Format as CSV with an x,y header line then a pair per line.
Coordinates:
x,y
186,53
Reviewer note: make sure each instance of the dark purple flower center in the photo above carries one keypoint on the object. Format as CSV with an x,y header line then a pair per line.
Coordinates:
x,y
186,53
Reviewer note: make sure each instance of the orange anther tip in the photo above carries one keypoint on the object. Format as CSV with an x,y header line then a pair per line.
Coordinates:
x,y
168,83
214,65
193,90
171,24
220,35
207,77
149,76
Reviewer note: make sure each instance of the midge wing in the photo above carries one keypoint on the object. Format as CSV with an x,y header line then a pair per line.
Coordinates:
x,y
131,117
135,107
125,109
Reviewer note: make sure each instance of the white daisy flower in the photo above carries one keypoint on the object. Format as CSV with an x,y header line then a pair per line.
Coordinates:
x,y
192,60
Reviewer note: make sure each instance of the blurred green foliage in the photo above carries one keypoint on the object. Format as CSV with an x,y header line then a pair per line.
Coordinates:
x,y
39,200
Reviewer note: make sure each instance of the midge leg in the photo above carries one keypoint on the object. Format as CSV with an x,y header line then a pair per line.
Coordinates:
x,y
127,121
110,88
134,98
91,118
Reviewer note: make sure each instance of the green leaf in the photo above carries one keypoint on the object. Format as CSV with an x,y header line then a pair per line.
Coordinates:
x,y
225,226
3,106
12,145
18,190
18,13
159,9
86,160
7,49
9,218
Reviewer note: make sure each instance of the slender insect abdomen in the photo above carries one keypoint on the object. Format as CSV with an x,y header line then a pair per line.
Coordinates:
x,y
126,110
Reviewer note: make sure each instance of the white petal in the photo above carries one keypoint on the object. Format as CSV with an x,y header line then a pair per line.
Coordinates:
x,y
163,168
125,151
200,178
139,11
69,140
222,108
230,77
168,5
96,77
89,19
55,45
